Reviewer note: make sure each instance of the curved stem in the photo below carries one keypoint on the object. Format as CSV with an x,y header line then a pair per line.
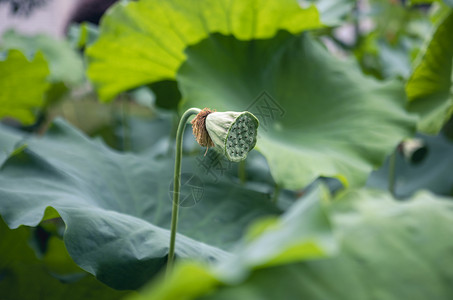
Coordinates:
x,y
177,184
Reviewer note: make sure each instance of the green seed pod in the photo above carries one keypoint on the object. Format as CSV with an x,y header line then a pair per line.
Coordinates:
x,y
227,131
231,133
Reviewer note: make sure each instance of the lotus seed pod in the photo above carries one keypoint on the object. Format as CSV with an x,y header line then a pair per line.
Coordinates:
x,y
227,132
231,133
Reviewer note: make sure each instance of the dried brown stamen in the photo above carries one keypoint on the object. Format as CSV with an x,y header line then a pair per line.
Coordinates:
x,y
199,128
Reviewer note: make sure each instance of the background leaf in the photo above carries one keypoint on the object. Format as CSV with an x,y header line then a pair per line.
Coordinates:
x,y
429,88
447,2
319,116
24,276
304,232
22,85
116,207
332,12
155,44
389,250
65,63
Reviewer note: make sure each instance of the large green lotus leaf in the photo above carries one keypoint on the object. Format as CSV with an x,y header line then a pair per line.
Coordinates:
x,y
390,250
166,93
318,116
65,63
146,134
430,87
144,42
117,207
304,232
24,276
22,85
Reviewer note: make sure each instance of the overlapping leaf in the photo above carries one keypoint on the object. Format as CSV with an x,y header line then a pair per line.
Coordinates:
x,y
303,233
24,276
144,42
22,85
389,250
64,62
318,116
116,207
430,87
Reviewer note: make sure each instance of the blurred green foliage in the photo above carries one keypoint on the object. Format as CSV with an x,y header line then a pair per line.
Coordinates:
x,y
339,87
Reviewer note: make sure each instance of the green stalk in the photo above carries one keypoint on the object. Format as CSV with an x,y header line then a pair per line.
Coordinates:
x,y
391,175
276,194
125,123
242,172
177,184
